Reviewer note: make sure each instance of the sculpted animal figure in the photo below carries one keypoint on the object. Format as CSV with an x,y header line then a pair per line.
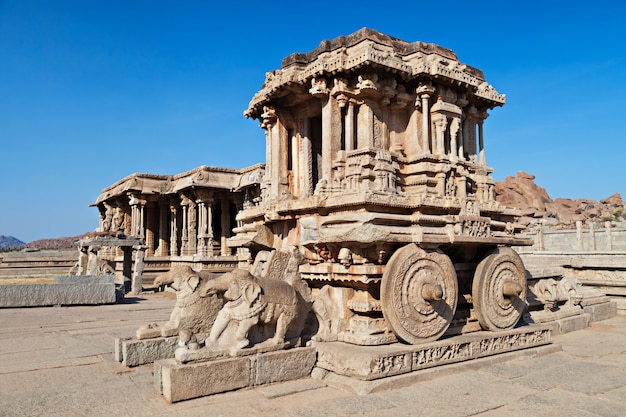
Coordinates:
x,y
250,303
194,312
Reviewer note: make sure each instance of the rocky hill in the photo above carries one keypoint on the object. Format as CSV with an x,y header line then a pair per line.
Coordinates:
x,y
562,213
7,242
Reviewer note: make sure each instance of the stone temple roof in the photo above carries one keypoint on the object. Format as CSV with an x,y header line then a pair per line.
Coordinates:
x,y
400,47
369,48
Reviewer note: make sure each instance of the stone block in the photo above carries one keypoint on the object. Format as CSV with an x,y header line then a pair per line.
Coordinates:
x,y
135,352
117,350
181,382
571,324
69,292
283,365
601,311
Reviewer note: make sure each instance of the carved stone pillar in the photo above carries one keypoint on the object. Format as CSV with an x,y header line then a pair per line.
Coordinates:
x,y
331,135
540,242
462,138
268,122
365,126
306,158
164,229
205,223
184,239
295,184
137,281
481,143
592,236
609,238
137,215
173,226
579,235
192,223
424,92
150,231
349,126
441,123
225,223
455,127
469,135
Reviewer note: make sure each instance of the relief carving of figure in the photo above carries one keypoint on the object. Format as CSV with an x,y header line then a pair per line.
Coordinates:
x,y
118,222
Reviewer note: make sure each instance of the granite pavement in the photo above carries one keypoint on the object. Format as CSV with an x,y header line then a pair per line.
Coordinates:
x,y
58,361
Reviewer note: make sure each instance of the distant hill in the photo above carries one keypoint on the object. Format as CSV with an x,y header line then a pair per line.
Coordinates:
x,y
56,243
9,242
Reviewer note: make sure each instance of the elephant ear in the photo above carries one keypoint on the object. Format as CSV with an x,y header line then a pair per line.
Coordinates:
x,y
193,281
251,292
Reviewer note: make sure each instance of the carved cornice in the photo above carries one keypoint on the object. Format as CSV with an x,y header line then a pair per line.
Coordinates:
x,y
202,176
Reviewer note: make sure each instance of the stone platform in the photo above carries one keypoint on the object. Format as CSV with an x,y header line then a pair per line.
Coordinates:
x,y
66,290
376,362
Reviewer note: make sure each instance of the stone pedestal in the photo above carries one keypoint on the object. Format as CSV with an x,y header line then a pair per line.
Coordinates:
x,y
135,352
179,382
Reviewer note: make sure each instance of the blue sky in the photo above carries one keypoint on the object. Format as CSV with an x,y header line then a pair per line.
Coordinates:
x,y
92,91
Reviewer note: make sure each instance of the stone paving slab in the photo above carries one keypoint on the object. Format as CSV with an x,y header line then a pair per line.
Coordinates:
x,y
58,361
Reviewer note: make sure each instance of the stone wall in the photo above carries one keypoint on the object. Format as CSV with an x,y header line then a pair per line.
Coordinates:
x,y
45,262
591,238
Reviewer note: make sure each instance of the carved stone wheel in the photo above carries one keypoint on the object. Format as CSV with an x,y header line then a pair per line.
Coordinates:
x,y
419,293
499,289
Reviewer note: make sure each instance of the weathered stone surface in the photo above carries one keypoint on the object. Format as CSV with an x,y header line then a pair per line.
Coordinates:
x,y
601,311
278,366
571,324
134,352
193,380
178,382
374,362
67,291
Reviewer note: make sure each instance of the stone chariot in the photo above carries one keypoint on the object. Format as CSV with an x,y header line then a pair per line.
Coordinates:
x,y
376,177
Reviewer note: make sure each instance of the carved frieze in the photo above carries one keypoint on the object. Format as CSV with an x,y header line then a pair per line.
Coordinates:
x,y
414,358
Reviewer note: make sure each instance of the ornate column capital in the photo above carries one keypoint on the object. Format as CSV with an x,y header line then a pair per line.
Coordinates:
x,y
425,89
135,199
268,117
319,88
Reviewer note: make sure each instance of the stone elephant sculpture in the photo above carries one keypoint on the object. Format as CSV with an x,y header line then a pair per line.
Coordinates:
x,y
194,312
250,303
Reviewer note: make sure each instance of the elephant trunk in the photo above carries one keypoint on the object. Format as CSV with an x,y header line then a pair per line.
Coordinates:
x,y
164,279
215,286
